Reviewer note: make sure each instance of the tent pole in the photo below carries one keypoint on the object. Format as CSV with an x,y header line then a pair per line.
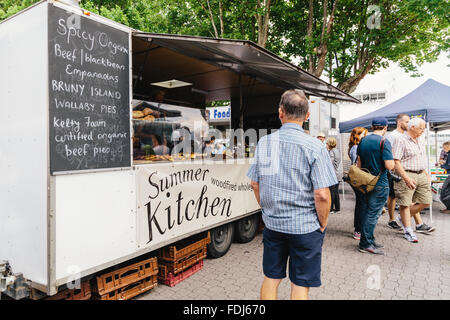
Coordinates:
x,y
436,145
428,166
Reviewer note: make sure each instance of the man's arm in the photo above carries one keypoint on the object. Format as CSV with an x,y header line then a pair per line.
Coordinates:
x,y
255,187
389,164
322,199
402,173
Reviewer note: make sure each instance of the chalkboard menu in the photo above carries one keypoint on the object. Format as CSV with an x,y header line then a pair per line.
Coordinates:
x,y
89,103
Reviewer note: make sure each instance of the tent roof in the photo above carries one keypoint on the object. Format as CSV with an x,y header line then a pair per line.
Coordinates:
x,y
431,100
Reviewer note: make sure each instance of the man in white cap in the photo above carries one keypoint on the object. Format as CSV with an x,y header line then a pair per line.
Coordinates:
x,y
321,136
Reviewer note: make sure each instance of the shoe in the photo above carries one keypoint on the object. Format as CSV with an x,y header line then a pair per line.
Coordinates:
x,y
338,212
378,245
422,212
383,211
411,237
357,235
445,210
424,228
372,250
394,225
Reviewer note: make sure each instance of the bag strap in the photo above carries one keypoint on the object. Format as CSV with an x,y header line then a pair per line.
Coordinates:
x,y
381,155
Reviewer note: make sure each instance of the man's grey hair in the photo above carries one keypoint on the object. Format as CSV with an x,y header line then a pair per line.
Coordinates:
x,y
415,122
294,103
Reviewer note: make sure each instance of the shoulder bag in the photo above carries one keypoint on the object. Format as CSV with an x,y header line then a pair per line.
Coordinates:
x,y
361,178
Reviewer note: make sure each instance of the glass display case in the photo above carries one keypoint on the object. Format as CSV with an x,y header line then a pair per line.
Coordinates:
x,y
166,132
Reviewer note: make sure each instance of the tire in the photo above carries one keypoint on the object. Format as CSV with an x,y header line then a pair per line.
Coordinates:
x,y
246,228
221,240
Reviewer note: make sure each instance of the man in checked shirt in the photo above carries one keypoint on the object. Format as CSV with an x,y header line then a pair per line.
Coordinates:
x,y
413,192
290,176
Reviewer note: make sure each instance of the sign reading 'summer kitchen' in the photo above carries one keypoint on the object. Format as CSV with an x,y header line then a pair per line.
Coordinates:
x,y
88,94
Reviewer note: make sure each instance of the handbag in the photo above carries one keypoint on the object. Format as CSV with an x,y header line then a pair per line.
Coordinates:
x,y
361,179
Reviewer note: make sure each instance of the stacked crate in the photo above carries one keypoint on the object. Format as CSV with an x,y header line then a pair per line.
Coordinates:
x,y
181,260
127,282
81,293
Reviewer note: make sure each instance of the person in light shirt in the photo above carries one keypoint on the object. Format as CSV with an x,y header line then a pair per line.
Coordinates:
x,y
402,126
413,192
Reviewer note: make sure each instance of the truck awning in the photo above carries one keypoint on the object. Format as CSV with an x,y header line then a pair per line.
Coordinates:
x,y
239,61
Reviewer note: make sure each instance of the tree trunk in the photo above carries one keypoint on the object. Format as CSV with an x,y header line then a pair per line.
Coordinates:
x,y
352,83
309,34
222,29
322,50
211,17
263,22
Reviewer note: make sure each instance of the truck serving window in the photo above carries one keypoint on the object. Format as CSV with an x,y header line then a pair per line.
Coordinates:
x,y
167,132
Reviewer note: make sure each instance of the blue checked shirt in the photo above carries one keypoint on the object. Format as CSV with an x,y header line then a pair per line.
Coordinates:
x,y
289,165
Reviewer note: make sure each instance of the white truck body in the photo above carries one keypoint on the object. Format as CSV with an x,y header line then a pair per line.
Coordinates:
x,y
56,228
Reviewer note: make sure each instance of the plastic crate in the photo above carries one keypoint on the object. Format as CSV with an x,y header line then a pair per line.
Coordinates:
x,y
172,279
124,276
174,267
131,290
183,248
83,293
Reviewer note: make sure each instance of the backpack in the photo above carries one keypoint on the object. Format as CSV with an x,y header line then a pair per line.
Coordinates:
x,y
361,179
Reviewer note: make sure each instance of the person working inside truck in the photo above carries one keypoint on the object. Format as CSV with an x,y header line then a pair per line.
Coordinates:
x,y
444,159
291,176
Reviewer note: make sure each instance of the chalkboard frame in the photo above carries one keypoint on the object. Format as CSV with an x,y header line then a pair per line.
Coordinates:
x,y
128,152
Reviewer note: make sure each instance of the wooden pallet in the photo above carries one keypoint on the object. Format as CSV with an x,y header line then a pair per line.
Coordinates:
x,y
132,290
83,293
125,276
175,267
171,279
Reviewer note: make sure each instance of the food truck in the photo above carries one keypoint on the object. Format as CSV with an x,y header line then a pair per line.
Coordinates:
x,y
91,112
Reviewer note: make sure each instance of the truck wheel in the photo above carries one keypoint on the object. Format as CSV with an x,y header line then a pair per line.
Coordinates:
x,y
221,239
246,228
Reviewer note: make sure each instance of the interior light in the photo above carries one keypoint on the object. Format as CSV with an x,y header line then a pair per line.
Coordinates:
x,y
170,84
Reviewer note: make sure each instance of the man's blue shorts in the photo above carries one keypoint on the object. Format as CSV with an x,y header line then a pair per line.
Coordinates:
x,y
304,252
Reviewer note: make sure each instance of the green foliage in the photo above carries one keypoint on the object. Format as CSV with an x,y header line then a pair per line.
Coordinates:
x,y
411,32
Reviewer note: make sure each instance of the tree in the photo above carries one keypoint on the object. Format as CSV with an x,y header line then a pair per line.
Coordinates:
x,y
342,39
356,38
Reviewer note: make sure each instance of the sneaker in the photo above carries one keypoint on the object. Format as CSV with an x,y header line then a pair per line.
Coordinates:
x,y
394,225
331,211
357,235
411,237
424,228
378,245
372,250
338,212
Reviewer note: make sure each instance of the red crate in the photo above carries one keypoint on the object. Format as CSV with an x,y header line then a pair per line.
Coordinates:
x,y
131,290
175,267
182,249
127,275
83,293
172,279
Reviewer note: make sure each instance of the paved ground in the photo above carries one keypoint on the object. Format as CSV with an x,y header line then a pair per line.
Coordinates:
x,y
407,271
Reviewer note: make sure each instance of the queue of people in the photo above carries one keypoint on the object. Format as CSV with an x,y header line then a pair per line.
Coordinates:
x,y
298,188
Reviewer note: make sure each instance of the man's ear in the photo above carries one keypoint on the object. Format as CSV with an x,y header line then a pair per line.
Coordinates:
x,y
280,113
307,116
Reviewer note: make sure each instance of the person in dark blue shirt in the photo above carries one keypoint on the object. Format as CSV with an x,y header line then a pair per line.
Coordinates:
x,y
375,155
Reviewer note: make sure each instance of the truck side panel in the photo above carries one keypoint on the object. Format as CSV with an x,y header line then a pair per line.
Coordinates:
x,y
95,221
23,143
